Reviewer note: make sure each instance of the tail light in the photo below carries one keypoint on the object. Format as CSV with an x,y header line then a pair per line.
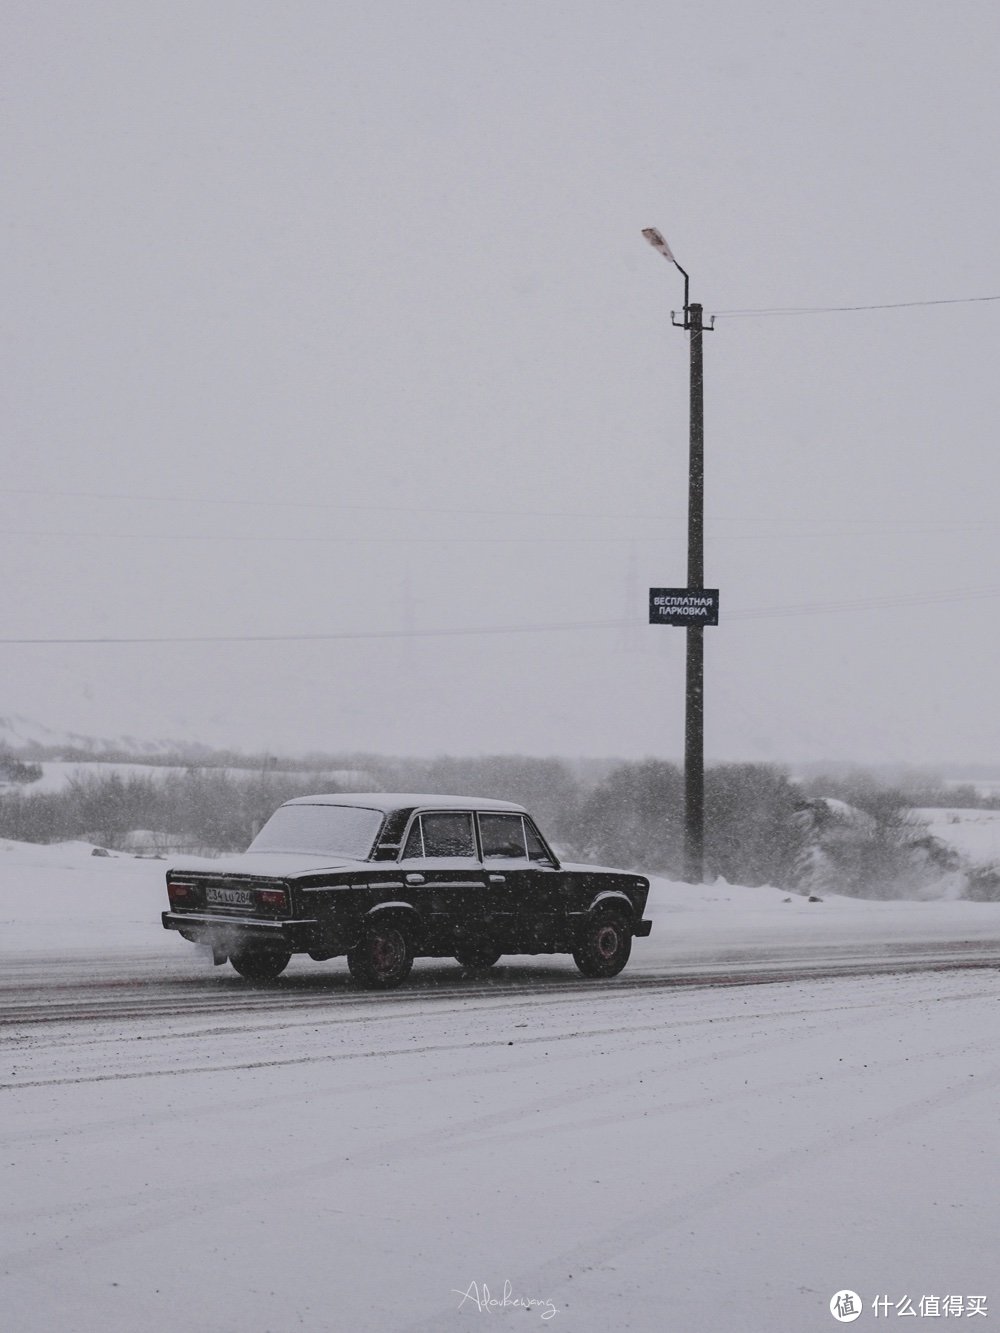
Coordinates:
x,y
180,894
272,898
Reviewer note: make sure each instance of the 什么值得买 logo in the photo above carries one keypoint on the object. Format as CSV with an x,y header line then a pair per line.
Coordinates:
x,y
846,1306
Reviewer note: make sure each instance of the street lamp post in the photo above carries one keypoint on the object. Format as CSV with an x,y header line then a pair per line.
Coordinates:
x,y
694,714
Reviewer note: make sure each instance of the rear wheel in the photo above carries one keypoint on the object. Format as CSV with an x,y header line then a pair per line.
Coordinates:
x,y
383,957
257,963
603,946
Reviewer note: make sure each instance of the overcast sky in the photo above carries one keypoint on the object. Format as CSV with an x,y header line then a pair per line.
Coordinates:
x,y
329,318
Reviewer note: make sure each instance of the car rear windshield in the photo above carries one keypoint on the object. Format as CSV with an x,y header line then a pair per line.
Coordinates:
x,y
320,830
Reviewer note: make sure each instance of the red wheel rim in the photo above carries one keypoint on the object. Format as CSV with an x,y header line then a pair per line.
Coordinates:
x,y
607,941
387,951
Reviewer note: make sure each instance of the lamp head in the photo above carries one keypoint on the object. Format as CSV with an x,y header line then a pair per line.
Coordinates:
x,y
657,241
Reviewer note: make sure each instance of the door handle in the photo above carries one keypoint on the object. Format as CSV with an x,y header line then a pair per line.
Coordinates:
x,y
415,879
497,879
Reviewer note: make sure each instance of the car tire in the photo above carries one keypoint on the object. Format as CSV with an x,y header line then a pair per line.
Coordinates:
x,y
477,958
382,958
259,964
603,945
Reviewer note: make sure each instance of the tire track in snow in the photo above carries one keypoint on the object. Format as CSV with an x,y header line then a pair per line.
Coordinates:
x,y
175,1071
333,1057
300,994
718,1022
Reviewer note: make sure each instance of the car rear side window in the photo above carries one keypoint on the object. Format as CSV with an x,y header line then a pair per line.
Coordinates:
x,y
503,837
415,842
447,834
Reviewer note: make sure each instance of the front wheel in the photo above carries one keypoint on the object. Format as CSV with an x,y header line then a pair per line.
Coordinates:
x,y
259,964
383,957
603,946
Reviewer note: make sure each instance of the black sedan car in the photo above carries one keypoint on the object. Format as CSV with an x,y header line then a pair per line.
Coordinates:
x,y
384,879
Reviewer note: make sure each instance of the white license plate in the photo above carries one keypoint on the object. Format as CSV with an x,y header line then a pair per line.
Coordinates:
x,y
218,896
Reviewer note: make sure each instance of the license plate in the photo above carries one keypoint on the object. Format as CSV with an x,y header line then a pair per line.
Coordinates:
x,y
222,897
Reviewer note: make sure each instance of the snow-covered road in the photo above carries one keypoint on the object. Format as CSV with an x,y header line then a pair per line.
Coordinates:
x,y
693,1159
46,988
673,1150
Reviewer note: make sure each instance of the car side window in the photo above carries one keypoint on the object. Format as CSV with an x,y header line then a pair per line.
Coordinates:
x,y
536,848
503,837
448,834
414,843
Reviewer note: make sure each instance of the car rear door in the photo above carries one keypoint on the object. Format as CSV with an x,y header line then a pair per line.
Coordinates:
x,y
443,871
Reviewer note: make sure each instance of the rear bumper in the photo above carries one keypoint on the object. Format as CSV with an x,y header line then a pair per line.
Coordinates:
x,y
642,928
223,931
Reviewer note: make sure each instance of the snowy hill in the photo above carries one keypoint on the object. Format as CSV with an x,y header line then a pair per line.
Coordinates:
x,y
19,733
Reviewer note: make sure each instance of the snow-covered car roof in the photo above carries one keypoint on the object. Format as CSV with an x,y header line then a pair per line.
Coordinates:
x,y
388,801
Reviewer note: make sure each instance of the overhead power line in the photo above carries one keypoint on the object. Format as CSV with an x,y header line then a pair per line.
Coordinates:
x,y
329,506
836,309
869,603
770,531
772,524
339,634
472,631
325,539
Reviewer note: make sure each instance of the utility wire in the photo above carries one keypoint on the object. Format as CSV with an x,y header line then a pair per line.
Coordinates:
x,y
770,532
869,603
324,505
341,634
758,613
771,524
378,539
834,309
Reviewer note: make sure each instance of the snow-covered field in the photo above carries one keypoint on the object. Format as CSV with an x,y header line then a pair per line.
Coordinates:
x,y
638,1154
57,774
973,833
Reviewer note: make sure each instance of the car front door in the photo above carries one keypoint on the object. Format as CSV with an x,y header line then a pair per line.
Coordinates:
x,y
520,870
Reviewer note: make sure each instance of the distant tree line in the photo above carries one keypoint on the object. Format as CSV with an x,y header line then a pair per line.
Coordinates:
x,y
845,834
207,809
13,769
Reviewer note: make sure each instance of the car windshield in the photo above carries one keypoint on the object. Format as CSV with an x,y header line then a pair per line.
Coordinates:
x,y
320,830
